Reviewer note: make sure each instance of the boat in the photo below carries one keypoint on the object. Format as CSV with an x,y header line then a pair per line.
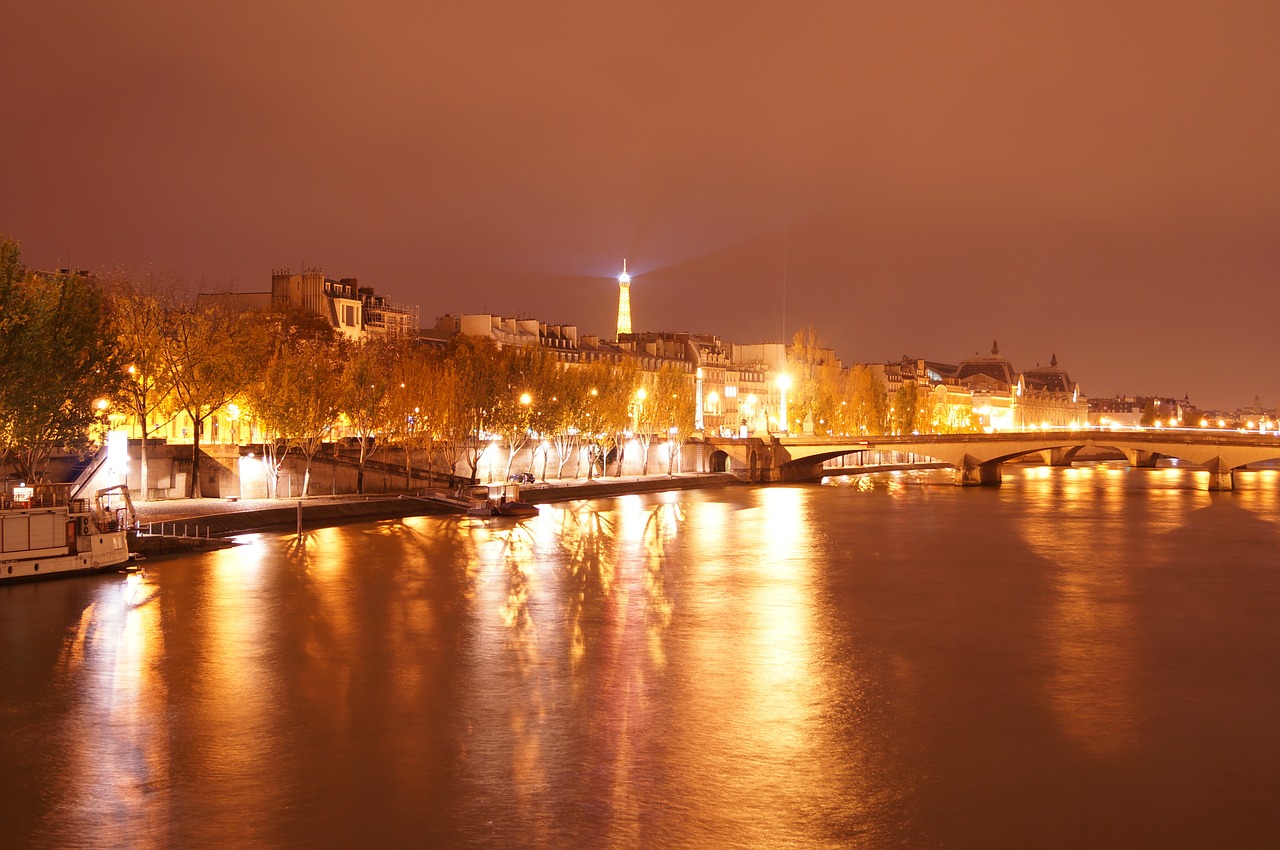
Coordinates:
x,y
498,500
44,531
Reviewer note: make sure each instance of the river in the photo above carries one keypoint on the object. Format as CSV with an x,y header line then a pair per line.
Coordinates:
x,y
1079,658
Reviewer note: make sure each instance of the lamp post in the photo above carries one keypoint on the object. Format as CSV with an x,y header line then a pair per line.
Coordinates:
x,y
525,401
698,421
784,384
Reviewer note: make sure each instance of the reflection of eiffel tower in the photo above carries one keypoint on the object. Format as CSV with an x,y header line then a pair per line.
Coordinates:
x,y
624,302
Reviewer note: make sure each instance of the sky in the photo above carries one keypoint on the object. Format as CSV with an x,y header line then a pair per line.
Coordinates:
x,y
1098,181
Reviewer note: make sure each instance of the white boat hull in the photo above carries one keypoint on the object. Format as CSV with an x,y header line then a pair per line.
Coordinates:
x,y
42,542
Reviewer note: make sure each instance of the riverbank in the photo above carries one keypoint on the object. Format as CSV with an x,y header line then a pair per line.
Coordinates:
x,y
217,518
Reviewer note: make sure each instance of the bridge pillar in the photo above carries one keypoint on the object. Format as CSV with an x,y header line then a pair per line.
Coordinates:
x,y
1061,457
800,472
1140,458
1221,476
1222,481
975,474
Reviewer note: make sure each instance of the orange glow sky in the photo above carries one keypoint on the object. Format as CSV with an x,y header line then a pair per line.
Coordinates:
x,y
1098,180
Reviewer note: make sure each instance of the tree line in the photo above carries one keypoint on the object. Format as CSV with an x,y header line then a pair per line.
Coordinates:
x,y
855,400
72,345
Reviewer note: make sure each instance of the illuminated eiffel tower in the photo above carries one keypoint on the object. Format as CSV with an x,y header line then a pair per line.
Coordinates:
x,y
624,302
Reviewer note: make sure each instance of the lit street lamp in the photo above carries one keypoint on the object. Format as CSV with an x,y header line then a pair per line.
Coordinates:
x,y
698,424
784,384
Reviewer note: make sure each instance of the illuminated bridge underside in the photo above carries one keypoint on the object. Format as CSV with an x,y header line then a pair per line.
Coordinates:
x,y
977,457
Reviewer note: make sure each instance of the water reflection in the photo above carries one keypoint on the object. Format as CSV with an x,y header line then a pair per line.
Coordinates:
x,y
1079,524
877,664
116,782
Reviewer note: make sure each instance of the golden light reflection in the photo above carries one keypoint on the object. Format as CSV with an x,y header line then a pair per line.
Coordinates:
x,y
575,590
119,766
1089,630
782,635
1255,491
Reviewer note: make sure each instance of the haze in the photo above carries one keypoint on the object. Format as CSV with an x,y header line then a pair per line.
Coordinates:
x,y
1097,180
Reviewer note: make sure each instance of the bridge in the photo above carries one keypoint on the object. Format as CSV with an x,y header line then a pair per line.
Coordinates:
x,y
977,458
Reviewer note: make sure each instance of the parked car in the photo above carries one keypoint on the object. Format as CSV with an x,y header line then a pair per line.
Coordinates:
x,y
521,477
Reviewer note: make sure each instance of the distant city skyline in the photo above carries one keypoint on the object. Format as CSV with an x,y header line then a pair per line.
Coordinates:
x,y
1096,180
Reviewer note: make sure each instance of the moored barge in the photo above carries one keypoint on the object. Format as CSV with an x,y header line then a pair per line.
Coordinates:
x,y
45,532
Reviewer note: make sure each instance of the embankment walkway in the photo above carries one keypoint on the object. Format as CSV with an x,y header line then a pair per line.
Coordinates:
x,y
223,517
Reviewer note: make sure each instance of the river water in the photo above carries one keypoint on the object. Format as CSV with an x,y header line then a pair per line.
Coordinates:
x,y
1079,658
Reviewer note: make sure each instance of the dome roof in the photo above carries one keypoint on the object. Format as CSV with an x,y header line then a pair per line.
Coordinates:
x,y
1051,378
994,367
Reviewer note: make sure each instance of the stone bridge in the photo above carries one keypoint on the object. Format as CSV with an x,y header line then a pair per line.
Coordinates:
x,y
977,457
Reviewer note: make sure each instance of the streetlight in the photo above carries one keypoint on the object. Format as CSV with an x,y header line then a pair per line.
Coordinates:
x,y
784,384
698,424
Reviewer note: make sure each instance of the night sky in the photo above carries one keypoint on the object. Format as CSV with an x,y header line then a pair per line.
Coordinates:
x,y
1098,180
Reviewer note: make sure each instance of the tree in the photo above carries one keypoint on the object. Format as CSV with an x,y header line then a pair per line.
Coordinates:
x,y
452,436
905,403
270,410
806,358
868,401
407,407
139,320
525,380
58,356
607,409
561,414
603,409
12,319
295,401
645,417
364,384
841,419
474,363
674,409
210,353
315,393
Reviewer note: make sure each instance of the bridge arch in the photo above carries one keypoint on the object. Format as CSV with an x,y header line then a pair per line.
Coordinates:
x,y
719,461
977,457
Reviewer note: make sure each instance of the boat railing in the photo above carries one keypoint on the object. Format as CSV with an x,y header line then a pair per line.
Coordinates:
x,y
114,519
20,498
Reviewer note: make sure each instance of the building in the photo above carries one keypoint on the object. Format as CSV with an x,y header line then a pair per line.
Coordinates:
x,y
503,332
1005,399
356,312
1048,398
